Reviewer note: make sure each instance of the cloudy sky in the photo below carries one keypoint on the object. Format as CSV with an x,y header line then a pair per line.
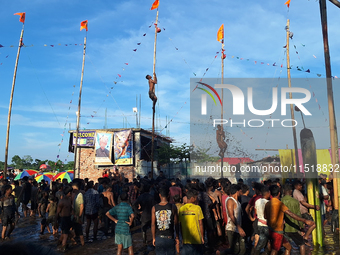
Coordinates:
x,y
48,78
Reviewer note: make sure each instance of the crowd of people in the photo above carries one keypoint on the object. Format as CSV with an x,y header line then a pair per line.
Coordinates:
x,y
210,217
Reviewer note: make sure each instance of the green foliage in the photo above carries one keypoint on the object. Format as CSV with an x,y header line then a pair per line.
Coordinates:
x,y
175,154
17,162
200,155
27,162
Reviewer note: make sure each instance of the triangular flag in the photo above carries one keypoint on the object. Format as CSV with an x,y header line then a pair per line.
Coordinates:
x,y
220,33
155,5
83,25
287,3
22,16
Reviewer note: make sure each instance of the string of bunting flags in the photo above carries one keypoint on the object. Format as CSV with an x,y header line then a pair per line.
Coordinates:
x,y
310,86
297,68
65,127
43,45
119,74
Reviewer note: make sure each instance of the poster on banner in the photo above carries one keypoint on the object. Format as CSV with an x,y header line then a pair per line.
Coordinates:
x,y
85,138
123,147
103,148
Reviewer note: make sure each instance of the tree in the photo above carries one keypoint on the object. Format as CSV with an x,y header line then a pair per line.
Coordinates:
x,y
183,153
27,161
69,165
200,155
173,154
17,161
52,164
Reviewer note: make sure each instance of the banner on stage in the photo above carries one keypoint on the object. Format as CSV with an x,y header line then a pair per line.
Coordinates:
x,y
123,147
103,148
85,138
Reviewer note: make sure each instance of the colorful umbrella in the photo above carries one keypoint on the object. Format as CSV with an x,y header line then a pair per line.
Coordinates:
x,y
45,176
45,167
64,175
27,172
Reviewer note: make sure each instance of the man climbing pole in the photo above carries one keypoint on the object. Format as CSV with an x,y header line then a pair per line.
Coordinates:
x,y
152,94
220,136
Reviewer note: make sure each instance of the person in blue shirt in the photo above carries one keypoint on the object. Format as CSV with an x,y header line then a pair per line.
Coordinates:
x,y
123,216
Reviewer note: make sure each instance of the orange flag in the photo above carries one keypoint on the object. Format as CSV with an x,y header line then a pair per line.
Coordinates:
x,y
83,25
287,3
155,5
22,16
220,33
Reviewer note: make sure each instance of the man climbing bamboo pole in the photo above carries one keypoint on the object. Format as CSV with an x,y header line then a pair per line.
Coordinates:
x,y
152,83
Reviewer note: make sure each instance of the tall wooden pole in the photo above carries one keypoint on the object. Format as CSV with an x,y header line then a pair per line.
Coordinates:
x,y
11,101
291,106
153,109
308,150
331,112
77,170
222,78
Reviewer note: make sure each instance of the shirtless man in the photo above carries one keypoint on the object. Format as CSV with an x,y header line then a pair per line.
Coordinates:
x,y
64,211
152,83
235,232
220,136
108,196
108,203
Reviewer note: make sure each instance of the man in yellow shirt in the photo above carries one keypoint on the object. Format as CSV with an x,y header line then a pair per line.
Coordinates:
x,y
190,217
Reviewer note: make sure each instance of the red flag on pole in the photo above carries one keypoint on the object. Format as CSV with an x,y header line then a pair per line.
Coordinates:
x,y
155,5
220,33
83,25
22,16
287,3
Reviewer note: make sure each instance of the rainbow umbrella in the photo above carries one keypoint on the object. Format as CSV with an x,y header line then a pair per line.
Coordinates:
x,y
64,175
27,172
45,167
45,176
70,171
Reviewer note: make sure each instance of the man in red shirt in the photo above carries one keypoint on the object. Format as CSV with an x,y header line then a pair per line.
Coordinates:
x,y
274,214
174,190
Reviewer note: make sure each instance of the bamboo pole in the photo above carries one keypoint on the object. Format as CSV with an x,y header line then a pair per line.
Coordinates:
x,y
308,149
222,78
153,109
11,101
77,170
331,112
291,106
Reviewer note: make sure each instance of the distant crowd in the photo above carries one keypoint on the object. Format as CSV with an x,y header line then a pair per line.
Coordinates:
x,y
214,217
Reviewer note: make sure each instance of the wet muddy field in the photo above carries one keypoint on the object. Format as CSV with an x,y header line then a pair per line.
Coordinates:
x,y
27,230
